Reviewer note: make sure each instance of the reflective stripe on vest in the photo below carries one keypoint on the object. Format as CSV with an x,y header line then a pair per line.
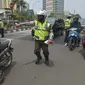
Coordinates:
x,y
41,30
47,25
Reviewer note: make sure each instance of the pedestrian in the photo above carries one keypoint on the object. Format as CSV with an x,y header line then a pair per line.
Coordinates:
x,y
67,26
2,28
42,32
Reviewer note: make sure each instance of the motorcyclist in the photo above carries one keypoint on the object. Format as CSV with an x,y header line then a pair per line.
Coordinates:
x,y
76,24
67,26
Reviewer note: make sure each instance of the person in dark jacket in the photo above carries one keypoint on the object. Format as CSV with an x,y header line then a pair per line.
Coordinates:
x,y
76,24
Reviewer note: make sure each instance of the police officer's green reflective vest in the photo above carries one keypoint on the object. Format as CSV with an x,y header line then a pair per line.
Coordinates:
x,y
1,24
41,31
67,23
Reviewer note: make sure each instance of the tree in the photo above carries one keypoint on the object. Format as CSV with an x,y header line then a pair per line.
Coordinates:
x,y
20,12
17,2
21,4
51,14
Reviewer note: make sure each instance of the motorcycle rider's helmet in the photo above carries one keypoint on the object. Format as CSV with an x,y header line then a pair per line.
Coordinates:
x,y
69,16
76,19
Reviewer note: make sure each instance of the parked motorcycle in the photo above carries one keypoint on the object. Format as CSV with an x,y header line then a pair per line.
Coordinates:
x,y
73,38
5,55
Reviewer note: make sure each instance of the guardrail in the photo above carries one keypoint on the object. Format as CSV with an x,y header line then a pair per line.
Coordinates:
x,y
22,26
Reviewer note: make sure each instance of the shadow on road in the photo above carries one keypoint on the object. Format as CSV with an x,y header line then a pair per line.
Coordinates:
x,y
51,63
7,71
30,62
82,52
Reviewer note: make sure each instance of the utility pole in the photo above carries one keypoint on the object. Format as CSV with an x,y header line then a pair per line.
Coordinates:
x,y
74,11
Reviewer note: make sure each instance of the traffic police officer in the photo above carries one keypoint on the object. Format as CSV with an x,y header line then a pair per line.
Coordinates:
x,y
42,33
67,26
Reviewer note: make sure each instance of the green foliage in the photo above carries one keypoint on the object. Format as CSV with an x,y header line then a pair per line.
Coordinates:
x,y
5,22
20,4
51,14
19,16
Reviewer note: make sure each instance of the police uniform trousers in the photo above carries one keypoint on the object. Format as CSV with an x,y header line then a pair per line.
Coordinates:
x,y
41,45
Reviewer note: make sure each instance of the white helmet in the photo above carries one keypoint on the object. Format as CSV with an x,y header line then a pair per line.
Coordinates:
x,y
69,16
42,12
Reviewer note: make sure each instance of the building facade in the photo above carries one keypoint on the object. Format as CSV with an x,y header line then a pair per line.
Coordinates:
x,y
49,6
44,4
5,3
0,3
5,8
59,8
55,6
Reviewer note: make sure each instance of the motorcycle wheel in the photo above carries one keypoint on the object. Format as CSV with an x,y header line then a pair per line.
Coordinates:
x,y
61,33
9,59
71,44
1,75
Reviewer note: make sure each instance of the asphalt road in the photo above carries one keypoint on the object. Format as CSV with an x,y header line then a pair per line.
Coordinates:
x,y
66,67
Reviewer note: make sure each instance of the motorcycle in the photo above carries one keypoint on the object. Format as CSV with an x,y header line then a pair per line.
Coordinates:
x,y
5,55
58,27
73,38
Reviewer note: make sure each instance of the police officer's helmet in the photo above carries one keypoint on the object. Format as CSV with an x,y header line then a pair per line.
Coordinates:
x,y
42,12
69,16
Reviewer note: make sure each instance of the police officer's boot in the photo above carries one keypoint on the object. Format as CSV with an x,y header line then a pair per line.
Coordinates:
x,y
46,60
39,58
